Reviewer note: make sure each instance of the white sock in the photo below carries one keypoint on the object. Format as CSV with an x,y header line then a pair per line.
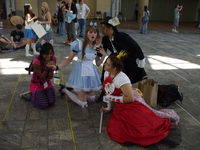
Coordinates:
x,y
34,49
27,48
74,98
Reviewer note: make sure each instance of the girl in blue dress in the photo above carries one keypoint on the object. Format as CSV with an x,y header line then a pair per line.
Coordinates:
x,y
84,77
29,34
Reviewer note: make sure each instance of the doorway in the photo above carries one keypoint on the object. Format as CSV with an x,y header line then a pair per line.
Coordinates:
x,y
7,6
2,9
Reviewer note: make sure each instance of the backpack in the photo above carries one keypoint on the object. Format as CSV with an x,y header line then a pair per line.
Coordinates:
x,y
167,94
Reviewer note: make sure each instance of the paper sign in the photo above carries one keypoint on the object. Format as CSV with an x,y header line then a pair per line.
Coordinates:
x,y
38,29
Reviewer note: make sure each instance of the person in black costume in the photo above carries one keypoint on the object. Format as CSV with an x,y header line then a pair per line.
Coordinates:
x,y
116,42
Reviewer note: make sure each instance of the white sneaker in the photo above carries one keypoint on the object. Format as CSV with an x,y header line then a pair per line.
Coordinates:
x,y
74,98
28,55
36,53
174,30
82,104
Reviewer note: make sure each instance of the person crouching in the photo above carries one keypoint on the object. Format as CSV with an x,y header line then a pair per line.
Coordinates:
x,y
42,90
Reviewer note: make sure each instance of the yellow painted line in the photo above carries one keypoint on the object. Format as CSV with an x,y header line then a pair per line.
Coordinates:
x,y
10,104
69,118
70,124
197,121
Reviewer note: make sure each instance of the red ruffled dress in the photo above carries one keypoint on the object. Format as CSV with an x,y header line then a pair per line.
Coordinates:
x,y
133,122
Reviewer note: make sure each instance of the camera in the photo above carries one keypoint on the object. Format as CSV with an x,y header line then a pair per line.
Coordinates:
x,y
97,49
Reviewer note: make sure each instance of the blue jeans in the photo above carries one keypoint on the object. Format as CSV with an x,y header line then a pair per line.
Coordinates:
x,y
82,25
61,28
144,28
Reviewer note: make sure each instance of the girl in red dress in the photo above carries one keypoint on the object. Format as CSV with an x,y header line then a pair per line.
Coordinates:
x,y
132,120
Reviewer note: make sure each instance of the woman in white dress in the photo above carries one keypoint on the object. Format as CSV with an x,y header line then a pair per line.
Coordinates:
x,y
132,120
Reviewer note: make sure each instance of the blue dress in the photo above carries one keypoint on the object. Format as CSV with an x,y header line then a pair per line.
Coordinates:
x,y
84,75
28,31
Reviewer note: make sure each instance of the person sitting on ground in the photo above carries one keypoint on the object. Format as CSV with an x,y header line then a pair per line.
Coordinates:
x,y
42,90
5,43
13,13
115,42
84,77
132,120
17,37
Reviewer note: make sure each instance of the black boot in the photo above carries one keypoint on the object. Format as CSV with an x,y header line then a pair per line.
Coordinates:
x,y
61,89
100,98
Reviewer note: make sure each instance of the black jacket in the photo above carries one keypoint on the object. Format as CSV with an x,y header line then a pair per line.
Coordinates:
x,y
122,41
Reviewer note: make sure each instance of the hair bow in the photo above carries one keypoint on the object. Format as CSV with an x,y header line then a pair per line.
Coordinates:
x,y
94,24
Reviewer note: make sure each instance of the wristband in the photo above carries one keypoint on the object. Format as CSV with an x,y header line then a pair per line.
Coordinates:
x,y
108,104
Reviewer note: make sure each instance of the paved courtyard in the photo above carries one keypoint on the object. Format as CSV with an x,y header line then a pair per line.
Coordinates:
x,y
172,58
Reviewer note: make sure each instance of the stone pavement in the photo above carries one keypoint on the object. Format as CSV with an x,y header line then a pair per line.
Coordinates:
x,y
172,58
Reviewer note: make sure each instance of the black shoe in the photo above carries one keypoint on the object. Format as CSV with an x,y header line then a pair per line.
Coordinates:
x,y
100,98
61,90
26,96
69,88
127,144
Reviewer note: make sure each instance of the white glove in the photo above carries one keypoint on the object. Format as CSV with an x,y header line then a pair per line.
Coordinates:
x,y
141,63
109,104
118,99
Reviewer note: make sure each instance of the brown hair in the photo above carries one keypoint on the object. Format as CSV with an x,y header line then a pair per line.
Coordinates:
x,y
86,40
116,62
28,11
